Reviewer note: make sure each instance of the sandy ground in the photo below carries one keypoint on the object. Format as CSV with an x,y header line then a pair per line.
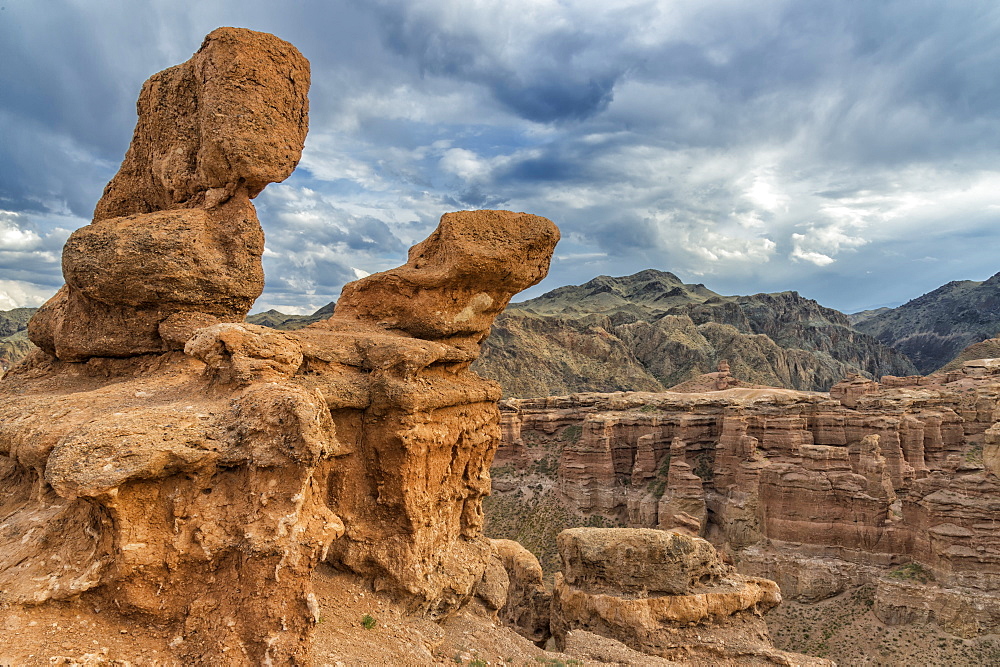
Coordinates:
x,y
844,629
79,633
841,628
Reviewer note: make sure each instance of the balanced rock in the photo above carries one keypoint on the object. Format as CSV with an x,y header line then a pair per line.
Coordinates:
x,y
458,280
426,427
175,232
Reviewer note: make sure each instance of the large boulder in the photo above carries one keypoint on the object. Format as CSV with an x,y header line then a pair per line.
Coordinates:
x,y
665,594
175,232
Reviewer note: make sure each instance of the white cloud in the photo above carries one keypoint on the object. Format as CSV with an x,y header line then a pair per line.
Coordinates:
x,y
764,193
20,294
817,258
465,164
13,236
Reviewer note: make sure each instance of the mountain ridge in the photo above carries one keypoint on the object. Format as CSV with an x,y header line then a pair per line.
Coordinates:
x,y
650,330
933,328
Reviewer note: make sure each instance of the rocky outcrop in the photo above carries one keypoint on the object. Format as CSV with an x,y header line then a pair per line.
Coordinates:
x,y
906,597
682,506
175,237
528,602
426,428
164,495
165,460
820,493
664,594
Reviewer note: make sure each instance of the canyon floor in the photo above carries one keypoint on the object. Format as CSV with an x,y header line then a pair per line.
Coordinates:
x,y
842,628
356,626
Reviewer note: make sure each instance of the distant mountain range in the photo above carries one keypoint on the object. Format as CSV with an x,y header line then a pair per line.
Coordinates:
x,y
278,320
650,331
934,328
14,343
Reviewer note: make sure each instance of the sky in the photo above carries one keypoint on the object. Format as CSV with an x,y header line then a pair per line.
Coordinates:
x,y
846,150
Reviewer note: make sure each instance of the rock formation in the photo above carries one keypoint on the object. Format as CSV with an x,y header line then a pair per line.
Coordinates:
x,y
666,595
682,506
425,428
160,457
175,243
528,602
819,492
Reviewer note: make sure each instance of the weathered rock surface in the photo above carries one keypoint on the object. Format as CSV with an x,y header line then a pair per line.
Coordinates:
x,y
677,599
819,493
258,449
232,118
965,613
175,232
528,602
161,458
458,280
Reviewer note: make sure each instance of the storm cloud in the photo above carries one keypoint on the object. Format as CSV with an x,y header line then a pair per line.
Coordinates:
x,y
845,150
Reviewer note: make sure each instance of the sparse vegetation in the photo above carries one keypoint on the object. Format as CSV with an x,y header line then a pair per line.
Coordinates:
x,y
704,467
547,466
368,621
571,433
534,522
844,629
974,455
504,471
912,571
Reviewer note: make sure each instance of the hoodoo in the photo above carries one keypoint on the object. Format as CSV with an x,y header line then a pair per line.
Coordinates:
x,y
168,461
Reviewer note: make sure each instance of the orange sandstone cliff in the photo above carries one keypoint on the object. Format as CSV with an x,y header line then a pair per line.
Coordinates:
x,y
866,485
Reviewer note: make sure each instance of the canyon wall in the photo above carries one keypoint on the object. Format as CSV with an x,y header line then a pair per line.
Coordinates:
x,y
817,491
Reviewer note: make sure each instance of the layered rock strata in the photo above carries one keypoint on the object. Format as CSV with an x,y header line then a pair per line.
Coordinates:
x,y
167,461
817,492
664,594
